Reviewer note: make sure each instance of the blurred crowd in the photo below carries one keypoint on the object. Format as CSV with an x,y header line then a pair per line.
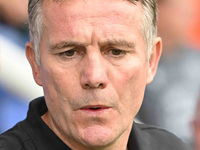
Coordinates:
x,y
170,101
16,83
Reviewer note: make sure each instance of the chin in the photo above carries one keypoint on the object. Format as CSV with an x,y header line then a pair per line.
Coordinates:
x,y
98,136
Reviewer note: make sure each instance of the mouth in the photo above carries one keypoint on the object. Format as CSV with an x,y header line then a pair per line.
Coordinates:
x,y
95,109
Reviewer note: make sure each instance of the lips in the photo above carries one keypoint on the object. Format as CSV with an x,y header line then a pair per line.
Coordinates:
x,y
95,108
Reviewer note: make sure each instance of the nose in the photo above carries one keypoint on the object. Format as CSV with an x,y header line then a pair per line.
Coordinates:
x,y
94,72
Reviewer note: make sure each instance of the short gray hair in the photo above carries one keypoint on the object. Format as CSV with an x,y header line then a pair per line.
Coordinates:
x,y
149,24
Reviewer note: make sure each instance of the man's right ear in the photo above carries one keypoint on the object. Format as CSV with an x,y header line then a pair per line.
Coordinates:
x,y
30,55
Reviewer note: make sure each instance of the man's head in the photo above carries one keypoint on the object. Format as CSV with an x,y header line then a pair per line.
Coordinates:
x,y
148,25
93,67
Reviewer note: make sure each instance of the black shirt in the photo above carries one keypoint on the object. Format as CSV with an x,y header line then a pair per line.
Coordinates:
x,y
34,134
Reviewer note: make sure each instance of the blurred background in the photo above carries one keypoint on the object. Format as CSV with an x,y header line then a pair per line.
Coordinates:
x,y
17,86
170,101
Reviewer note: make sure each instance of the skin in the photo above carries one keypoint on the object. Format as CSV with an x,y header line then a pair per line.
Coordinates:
x,y
93,58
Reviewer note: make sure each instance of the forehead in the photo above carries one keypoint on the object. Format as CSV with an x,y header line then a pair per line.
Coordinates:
x,y
73,16
94,5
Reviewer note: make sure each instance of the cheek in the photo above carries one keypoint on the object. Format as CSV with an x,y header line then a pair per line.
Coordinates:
x,y
59,83
133,77
59,90
131,86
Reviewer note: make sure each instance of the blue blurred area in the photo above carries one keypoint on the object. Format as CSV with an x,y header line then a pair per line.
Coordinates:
x,y
18,36
14,30
12,109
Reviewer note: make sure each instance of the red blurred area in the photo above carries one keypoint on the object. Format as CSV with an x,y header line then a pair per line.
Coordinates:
x,y
194,29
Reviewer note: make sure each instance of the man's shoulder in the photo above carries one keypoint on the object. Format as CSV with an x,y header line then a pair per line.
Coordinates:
x,y
154,131
15,139
157,138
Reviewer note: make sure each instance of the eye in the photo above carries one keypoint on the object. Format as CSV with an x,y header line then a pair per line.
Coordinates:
x,y
69,53
117,52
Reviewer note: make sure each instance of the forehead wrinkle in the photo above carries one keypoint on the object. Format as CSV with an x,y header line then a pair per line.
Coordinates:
x,y
88,22
71,14
92,10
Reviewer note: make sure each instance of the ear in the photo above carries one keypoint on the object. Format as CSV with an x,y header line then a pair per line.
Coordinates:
x,y
30,55
154,59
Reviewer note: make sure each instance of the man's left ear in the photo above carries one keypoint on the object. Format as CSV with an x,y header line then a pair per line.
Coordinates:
x,y
154,59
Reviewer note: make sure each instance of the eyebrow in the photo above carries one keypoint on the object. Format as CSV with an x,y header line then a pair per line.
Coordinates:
x,y
122,43
64,44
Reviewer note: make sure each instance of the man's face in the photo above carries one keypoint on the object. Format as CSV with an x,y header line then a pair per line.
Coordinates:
x,y
94,69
